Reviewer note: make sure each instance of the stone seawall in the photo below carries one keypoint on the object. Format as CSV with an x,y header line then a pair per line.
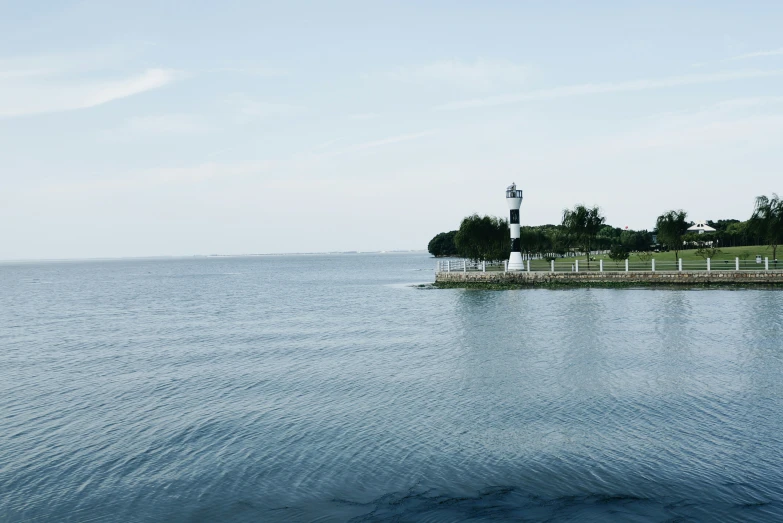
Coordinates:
x,y
646,278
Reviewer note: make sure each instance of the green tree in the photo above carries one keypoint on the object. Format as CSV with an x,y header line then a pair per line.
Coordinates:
x,y
671,227
583,224
529,238
643,241
692,239
443,244
721,234
608,236
767,221
483,238
636,241
558,240
738,234
644,256
721,225
618,253
706,251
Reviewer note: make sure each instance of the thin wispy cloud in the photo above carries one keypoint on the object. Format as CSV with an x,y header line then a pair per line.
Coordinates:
x,y
477,75
45,95
248,108
728,108
158,176
204,171
749,122
606,88
168,124
380,143
64,63
159,125
391,140
756,54
328,143
698,133
748,102
746,56
249,70
363,116
24,72
150,79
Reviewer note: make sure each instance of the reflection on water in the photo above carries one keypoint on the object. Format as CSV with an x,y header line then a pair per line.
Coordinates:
x,y
299,388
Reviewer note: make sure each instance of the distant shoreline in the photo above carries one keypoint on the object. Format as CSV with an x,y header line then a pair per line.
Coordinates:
x,y
191,256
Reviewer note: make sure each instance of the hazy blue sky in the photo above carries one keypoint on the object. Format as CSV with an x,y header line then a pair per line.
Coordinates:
x,y
167,128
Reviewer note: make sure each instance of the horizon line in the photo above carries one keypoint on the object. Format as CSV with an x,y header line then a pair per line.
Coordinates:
x,y
171,256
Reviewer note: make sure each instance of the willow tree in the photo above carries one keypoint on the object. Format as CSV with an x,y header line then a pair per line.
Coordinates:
x,y
535,240
583,224
767,221
671,227
483,238
443,244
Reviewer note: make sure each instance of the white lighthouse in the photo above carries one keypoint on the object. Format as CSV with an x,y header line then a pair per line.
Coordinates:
x,y
514,200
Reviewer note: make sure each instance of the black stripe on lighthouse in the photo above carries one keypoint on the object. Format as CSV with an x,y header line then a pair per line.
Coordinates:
x,y
514,220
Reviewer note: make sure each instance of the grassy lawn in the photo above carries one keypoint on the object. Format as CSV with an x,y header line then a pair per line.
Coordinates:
x,y
727,253
666,261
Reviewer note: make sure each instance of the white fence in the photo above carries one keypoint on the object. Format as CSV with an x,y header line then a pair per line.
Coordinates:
x,y
469,266
652,265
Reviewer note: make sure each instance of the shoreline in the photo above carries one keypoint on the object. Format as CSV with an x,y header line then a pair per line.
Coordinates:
x,y
640,279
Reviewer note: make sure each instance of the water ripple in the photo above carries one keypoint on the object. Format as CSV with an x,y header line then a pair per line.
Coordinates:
x,y
326,388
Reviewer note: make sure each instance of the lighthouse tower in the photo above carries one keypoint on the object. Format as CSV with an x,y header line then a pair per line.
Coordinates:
x,y
514,200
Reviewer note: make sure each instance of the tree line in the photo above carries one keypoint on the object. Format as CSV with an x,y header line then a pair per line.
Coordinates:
x,y
583,230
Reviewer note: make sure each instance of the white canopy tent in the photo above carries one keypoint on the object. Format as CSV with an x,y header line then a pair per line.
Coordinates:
x,y
701,226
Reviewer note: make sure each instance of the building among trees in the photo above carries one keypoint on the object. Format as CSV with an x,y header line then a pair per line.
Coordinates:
x,y
701,227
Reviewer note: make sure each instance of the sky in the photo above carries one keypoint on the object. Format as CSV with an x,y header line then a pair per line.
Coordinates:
x,y
186,128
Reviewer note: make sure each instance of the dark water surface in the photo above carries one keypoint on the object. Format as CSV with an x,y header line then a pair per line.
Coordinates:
x,y
323,388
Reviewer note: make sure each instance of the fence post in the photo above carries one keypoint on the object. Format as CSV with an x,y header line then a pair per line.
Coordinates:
x,y
601,265
553,265
576,264
626,265
766,264
653,264
484,266
464,265
709,266
679,265
528,265
736,262
505,265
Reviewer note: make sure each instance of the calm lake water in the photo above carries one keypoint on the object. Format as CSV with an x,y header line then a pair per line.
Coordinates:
x,y
302,388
